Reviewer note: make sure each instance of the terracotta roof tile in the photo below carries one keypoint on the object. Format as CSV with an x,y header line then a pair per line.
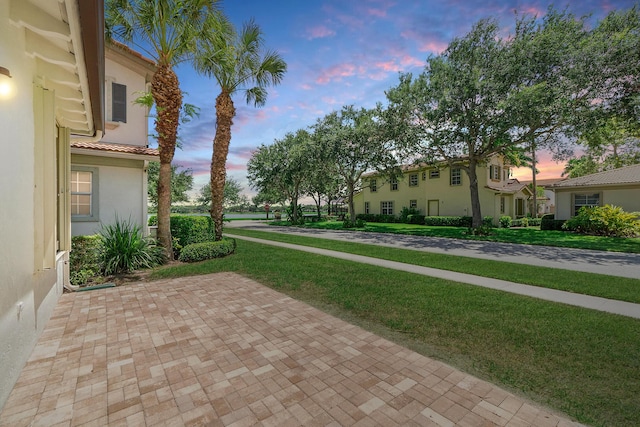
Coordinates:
x,y
116,148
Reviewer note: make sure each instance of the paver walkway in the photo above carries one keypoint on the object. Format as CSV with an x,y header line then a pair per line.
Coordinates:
x,y
224,350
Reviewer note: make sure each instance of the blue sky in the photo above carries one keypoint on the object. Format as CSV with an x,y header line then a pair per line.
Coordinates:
x,y
340,52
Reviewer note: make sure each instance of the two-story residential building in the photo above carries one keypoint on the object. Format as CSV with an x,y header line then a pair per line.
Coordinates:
x,y
444,191
51,91
109,177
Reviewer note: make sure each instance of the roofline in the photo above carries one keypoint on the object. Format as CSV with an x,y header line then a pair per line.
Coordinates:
x,y
92,29
114,154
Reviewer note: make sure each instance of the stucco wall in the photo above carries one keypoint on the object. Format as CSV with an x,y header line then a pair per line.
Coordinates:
x,y
26,298
628,198
121,190
134,131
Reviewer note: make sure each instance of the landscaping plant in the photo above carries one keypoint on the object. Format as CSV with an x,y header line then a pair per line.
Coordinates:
x,y
605,220
124,248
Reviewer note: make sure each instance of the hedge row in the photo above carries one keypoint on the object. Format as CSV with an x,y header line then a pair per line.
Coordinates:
x,y
188,229
449,221
207,250
548,222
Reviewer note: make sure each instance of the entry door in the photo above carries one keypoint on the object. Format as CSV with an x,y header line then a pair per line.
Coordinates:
x,y
433,208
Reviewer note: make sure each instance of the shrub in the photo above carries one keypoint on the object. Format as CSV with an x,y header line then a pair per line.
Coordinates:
x,y
188,229
84,259
416,219
124,249
520,222
360,223
207,250
534,222
605,220
548,222
505,221
406,212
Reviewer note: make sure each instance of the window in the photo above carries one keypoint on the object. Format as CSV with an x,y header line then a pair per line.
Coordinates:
x,y
413,180
373,185
502,204
394,184
456,176
585,200
494,172
413,204
434,174
84,194
118,103
366,207
505,174
424,176
386,208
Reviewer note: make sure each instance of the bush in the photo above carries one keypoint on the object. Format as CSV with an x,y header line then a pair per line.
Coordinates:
x,y
505,221
520,222
207,250
605,220
84,259
124,249
360,223
406,212
548,222
188,229
416,219
534,222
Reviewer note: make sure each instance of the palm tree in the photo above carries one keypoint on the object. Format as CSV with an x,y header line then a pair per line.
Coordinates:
x,y
167,31
238,63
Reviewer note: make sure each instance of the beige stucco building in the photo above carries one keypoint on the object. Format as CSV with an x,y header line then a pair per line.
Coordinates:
x,y
444,191
53,52
618,187
109,177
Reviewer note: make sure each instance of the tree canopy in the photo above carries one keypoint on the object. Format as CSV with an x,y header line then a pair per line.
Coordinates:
x,y
181,183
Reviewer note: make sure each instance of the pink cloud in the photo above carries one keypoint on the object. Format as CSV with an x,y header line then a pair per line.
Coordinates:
x,y
319,32
236,166
306,86
408,61
337,72
380,13
388,66
434,46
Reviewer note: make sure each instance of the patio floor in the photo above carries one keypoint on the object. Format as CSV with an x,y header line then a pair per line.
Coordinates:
x,y
222,349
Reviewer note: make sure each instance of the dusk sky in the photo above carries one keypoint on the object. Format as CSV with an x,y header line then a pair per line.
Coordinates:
x,y
341,52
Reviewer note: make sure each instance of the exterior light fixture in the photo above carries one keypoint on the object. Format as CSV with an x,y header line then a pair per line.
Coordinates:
x,y
6,87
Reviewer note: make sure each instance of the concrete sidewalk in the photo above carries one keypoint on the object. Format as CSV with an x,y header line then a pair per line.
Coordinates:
x,y
595,303
590,261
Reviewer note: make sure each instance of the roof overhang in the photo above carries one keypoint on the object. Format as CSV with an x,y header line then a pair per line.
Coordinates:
x,y
66,40
115,151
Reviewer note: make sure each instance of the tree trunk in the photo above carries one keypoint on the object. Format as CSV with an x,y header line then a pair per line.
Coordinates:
x,y
534,182
476,214
167,96
352,206
225,112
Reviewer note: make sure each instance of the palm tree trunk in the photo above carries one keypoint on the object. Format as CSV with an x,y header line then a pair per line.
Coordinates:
x,y
225,112
167,96
535,180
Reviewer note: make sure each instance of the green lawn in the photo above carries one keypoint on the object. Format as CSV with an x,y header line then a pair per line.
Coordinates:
x,y
582,362
619,288
529,235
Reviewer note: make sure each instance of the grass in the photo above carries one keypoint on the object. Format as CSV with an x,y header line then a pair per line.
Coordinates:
x,y
528,236
582,362
618,288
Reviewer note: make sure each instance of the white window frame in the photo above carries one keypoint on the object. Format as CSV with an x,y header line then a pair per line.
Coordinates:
x,y
386,208
435,173
393,184
455,176
373,185
94,216
495,172
366,207
413,204
590,200
413,180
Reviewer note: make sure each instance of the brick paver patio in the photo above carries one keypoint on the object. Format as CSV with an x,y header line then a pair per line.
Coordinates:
x,y
224,350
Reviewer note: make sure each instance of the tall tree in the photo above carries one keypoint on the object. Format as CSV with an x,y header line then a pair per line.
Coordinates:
x,y
355,144
283,168
232,193
167,31
181,183
237,62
